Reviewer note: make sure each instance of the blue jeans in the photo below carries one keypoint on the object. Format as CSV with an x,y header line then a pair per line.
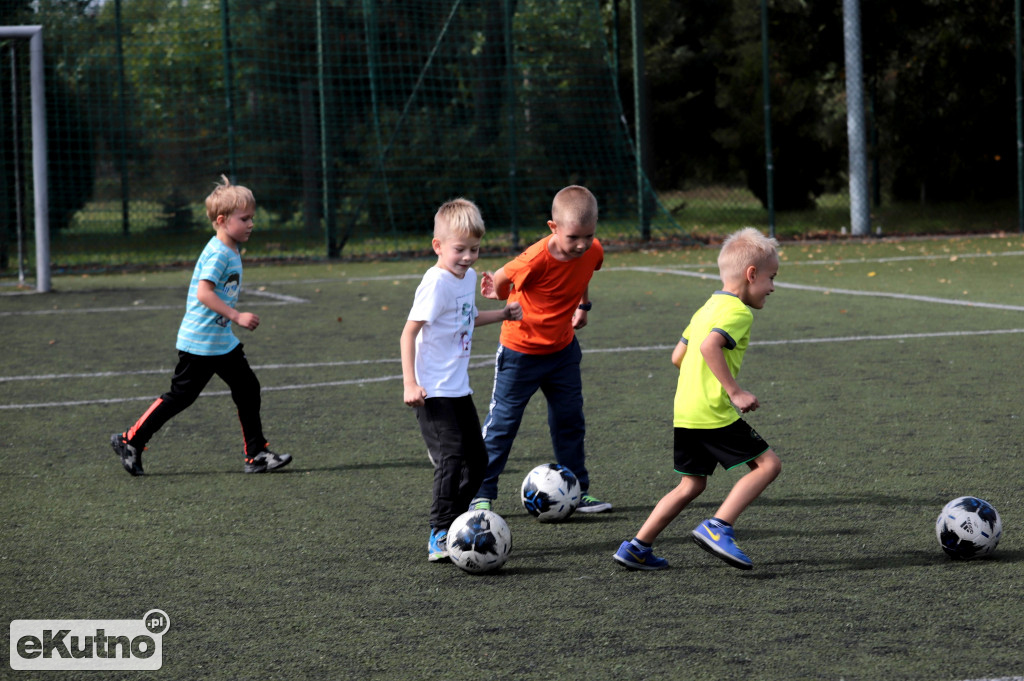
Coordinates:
x,y
517,376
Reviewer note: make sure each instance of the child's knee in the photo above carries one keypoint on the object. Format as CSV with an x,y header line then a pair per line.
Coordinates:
x,y
770,464
691,486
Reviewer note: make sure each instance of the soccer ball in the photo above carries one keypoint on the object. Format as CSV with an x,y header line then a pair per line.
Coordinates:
x,y
968,527
479,541
550,492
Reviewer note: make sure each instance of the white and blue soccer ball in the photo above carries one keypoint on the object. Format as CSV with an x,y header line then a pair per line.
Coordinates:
x,y
550,492
479,541
968,527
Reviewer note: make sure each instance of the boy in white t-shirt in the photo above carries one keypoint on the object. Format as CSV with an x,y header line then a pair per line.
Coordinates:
x,y
436,344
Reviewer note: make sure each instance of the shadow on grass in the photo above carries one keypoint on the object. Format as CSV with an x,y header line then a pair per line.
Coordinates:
x,y
372,466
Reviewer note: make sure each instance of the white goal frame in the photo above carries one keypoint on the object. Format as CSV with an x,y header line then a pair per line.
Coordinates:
x,y
40,182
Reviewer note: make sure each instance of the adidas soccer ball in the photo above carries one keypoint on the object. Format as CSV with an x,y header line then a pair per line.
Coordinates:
x,y
479,541
968,527
550,492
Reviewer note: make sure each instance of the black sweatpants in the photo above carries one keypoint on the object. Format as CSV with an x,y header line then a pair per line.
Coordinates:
x,y
451,429
190,377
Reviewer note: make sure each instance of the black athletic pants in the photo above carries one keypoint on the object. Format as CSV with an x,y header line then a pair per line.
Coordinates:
x,y
190,377
451,429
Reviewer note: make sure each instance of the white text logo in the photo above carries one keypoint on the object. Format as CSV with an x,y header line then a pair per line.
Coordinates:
x,y
89,644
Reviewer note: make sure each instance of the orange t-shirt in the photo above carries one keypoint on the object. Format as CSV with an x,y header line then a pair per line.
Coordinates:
x,y
549,290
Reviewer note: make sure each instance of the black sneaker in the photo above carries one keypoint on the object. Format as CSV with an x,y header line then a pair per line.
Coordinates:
x,y
266,461
131,459
589,504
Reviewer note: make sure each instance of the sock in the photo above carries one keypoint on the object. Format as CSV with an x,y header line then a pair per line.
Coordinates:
x,y
640,544
721,522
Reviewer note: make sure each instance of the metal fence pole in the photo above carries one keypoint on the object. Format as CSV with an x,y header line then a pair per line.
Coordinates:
x,y
1020,118
511,104
769,162
640,120
122,162
40,180
860,210
229,88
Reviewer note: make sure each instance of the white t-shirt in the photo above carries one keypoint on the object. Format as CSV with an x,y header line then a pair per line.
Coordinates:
x,y
448,306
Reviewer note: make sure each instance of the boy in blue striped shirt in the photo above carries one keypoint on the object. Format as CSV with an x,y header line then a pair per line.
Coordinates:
x,y
206,344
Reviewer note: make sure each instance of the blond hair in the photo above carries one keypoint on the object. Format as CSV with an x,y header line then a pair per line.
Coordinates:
x,y
458,218
574,205
226,198
744,248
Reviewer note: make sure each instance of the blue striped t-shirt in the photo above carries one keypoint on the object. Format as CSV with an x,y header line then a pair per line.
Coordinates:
x,y
203,331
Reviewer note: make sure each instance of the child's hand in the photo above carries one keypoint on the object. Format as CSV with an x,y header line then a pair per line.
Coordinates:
x,y
745,401
248,320
513,312
579,319
415,395
487,286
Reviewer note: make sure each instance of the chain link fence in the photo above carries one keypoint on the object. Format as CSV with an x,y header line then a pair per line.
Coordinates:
x,y
351,121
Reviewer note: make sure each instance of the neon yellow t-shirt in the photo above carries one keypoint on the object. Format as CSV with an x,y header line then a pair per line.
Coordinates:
x,y
701,401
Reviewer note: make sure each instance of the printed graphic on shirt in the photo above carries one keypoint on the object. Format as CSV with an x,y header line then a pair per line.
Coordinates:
x,y
231,292
464,308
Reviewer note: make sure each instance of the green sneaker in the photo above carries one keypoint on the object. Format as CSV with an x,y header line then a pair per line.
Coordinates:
x,y
480,504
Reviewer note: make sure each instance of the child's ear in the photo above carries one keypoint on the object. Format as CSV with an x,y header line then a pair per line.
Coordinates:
x,y
436,243
553,225
221,220
751,273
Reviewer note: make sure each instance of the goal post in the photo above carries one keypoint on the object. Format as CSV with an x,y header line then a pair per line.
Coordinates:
x,y
40,185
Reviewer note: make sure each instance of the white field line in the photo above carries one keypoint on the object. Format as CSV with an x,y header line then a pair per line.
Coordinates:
x,y
279,300
847,292
488,361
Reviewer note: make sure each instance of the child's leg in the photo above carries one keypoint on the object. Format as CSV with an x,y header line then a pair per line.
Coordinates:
x,y
670,506
234,369
451,428
563,389
190,377
515,382
763,470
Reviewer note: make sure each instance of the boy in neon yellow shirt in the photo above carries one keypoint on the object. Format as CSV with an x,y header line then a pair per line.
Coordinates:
x,y
708,429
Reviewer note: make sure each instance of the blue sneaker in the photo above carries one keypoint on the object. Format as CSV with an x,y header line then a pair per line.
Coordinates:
x,y
437,547
635,558
718,540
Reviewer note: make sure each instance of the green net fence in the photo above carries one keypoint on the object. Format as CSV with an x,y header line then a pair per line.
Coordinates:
x,y
350,121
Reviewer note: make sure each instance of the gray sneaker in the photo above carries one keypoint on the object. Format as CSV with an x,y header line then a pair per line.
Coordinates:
x,y
266,461
131,459
480,504
589,504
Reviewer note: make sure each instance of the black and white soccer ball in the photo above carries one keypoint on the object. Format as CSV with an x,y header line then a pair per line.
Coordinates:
x,y
550,492
968,527
479,541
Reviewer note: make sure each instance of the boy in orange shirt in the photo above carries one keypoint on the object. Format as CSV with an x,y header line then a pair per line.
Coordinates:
x,y
551,281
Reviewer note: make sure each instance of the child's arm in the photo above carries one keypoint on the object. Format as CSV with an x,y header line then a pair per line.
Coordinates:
x,y
677,353
495,286
208,296
414,392
579,317
714,355
511,312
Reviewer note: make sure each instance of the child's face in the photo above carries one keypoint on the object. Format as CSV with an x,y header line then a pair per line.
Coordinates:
x,y
238,225
569,240
760,282
456,253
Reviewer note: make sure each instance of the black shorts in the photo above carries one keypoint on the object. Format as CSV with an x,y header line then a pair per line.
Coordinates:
x,y
698,451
